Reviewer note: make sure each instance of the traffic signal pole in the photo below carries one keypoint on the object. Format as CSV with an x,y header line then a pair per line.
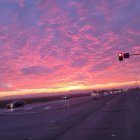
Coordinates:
x,y
135,54
122,56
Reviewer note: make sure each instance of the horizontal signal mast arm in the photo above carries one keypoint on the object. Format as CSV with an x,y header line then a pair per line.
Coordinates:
x,y
135,54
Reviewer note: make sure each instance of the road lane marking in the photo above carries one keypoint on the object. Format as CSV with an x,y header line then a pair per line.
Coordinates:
x,y
27,108
48,107
113,135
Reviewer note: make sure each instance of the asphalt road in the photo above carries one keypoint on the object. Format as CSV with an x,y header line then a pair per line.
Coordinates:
x,y
116,117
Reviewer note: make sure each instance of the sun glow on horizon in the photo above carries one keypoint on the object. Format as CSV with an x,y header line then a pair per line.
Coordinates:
x,y
67,88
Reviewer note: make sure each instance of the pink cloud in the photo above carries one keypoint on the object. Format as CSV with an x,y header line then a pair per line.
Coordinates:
x,y
67,43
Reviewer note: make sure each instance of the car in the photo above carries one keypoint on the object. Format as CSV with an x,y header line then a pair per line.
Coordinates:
x,y
96,96
65,97
106,94
15,104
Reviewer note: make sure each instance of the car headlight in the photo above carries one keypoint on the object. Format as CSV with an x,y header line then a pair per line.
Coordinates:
x,y
11,105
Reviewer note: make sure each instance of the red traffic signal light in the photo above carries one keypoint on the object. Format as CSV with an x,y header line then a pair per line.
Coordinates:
x,y
120,55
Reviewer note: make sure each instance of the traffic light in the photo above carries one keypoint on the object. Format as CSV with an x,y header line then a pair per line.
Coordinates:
x,y
120,55
126,55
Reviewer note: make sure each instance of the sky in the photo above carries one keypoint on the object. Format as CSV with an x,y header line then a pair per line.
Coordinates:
x,y
62,45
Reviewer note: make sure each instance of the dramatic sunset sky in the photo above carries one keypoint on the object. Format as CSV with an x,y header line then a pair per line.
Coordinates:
x,y
62,45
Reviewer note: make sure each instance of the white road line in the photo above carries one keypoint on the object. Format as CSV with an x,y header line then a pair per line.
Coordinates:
x,y
28,108
48,107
